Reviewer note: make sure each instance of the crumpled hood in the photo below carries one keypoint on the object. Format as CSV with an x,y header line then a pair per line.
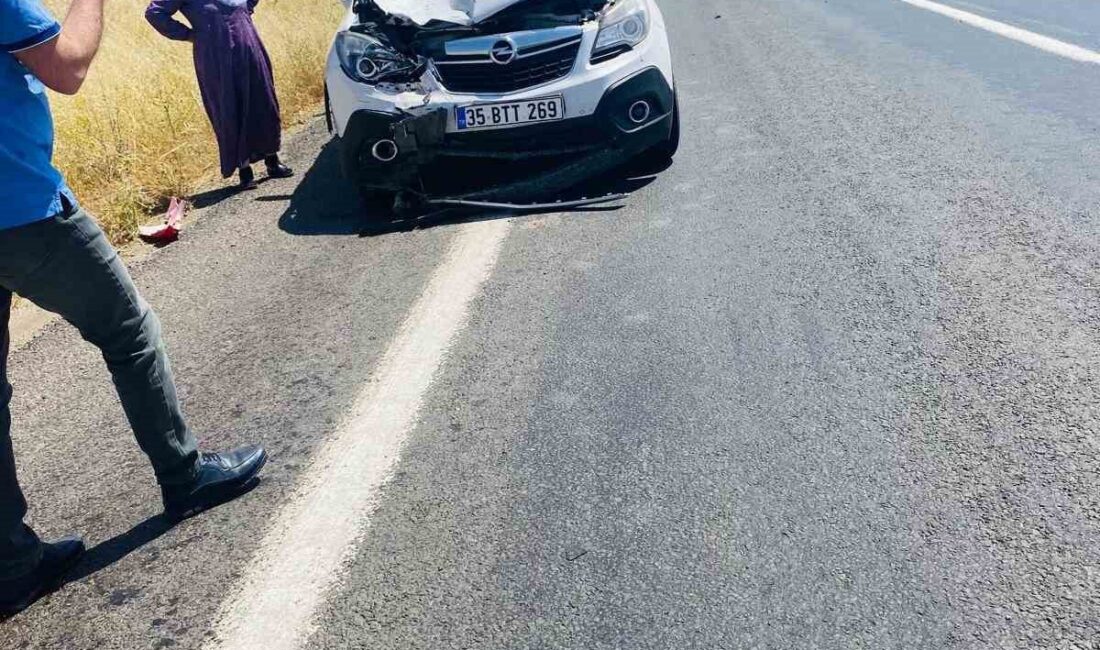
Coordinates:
x,y
460,12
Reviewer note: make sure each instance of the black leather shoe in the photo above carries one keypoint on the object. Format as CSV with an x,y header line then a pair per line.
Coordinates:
x,y
220,478
279,170
247,179
57,559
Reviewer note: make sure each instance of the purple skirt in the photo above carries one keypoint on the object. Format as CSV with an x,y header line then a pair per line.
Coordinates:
x,y
238,89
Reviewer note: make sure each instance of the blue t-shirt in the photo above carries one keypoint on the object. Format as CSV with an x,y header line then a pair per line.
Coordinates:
x,y
30,187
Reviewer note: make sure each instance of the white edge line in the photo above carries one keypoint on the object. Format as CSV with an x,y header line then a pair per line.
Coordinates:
x,y
304,553
1045,43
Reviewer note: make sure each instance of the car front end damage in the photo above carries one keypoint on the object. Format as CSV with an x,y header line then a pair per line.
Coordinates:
x,y
569,87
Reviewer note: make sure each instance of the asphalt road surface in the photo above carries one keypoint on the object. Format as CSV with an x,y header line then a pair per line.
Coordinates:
x,y
830,381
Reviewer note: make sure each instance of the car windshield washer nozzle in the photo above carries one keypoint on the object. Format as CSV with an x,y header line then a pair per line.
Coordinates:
x,y
384,150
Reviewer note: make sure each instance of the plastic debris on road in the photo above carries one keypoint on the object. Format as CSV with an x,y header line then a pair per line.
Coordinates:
x,y
169,231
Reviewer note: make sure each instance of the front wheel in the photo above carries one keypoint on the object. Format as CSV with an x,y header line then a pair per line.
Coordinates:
x,y
667,149
330,118
377,203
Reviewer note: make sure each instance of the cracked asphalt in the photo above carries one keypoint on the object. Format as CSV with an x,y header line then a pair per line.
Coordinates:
x,y
830,381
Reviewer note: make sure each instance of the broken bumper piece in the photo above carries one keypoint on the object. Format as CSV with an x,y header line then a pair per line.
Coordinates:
x,y
413,152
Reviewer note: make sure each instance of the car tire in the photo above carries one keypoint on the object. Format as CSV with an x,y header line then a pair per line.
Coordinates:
x,y
667,149
378,204
330,119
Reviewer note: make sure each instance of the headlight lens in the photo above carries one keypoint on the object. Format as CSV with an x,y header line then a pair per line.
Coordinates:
x,y
368,60
622,27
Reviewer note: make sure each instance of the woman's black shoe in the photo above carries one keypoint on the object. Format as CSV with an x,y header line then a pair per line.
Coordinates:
x,y
279,170
248,179
57,559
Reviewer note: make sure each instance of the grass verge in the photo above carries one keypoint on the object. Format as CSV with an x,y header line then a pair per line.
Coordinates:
x,y
137,134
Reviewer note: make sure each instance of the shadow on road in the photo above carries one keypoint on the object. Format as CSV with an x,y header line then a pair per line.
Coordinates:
x,y
325,203
214,196
108,552
113,550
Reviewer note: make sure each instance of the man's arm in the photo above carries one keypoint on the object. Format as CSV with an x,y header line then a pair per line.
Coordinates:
x,y
62,63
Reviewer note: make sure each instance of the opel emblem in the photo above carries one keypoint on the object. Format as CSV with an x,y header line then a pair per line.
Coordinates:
x,y
503,51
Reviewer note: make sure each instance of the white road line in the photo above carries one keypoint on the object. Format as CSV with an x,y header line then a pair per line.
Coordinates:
x,y
303,555
1045,43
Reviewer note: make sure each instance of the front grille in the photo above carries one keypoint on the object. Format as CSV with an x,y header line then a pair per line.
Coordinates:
x,y
533,67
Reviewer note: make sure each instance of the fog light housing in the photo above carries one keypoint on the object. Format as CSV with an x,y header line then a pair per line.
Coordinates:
x,y
639,112
384,150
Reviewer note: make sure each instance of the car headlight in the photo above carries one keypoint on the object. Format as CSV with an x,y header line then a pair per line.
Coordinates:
x,y
623,26
367,59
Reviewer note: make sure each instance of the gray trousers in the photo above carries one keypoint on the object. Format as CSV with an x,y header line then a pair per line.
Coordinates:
x,y
65,265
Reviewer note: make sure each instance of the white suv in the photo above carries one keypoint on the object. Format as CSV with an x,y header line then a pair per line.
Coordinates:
x,y
414,88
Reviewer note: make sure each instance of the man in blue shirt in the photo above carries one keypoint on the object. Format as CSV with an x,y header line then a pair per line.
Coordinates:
x,y
55,255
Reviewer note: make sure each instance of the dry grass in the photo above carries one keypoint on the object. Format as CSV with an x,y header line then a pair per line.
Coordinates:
x,y
137,134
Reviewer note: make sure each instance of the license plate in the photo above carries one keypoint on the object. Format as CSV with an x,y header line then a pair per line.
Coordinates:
x,y
505,114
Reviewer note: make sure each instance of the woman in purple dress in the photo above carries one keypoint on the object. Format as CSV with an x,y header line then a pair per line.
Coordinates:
x,y
235,78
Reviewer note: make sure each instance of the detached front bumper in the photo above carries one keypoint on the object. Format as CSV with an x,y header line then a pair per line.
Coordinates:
x,y
422,143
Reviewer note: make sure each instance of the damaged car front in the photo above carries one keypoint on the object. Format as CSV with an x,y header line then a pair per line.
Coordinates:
x,y
415,88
